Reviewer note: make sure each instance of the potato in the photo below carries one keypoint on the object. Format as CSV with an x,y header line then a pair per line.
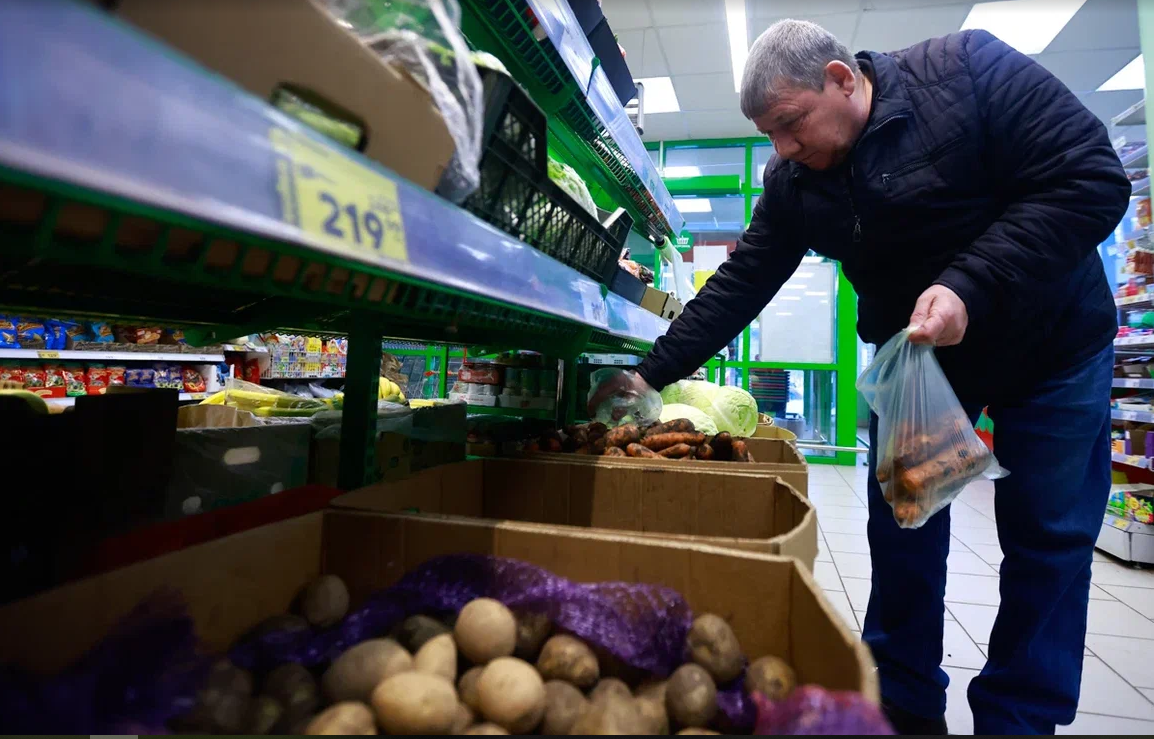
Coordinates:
x,y
438,657
532,631
463,720
564,704
222,705
611,715
485,630
325,601
714,646
295,689
691,696
264,713
414,631
467,688
512,695
567,658
486,730
415,703
354,674
651,706
348,718
610,686
770,676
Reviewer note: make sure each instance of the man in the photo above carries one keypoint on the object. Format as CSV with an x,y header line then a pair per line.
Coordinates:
x,y
964,190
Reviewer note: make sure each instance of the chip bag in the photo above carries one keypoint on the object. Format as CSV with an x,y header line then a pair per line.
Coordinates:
x,y
927,448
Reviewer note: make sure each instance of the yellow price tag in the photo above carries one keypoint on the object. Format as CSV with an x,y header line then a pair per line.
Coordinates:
x,y
48,355
330,196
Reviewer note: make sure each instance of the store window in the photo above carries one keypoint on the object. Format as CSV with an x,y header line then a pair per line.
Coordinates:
x,y
802,401
655,156
711,215
761,156
798,324
700,162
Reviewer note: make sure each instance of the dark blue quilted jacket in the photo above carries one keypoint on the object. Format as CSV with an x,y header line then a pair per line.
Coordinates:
x,y
977,170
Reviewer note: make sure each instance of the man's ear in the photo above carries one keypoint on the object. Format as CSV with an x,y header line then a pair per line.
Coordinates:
x,y
841,76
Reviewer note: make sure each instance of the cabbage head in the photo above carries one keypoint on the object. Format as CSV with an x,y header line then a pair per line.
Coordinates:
x,y
698,394
702,422
734,410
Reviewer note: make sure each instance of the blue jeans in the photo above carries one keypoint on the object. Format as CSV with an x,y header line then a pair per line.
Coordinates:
x,y
1055,443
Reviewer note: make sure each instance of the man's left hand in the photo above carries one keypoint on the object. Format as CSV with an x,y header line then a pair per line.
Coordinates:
x,y
940,318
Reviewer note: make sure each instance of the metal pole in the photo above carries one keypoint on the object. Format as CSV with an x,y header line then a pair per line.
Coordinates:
x,y
358,463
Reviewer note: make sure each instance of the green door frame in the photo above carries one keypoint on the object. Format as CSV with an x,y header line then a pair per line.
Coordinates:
x,y
844,367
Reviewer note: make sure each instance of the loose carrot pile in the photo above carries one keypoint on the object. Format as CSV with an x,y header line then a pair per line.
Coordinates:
x,y
677,439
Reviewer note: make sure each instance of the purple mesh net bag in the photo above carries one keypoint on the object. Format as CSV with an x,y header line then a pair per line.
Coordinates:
x,y
814,710
643,625
146,671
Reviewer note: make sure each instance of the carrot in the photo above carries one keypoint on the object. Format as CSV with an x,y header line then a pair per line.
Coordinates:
x,y
597,446
705,451
740,452
636,450
677,425
623,436
614,451
676,451
583,449
661,441
722,446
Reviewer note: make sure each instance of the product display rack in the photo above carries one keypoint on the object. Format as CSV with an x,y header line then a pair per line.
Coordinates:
x,y
139,186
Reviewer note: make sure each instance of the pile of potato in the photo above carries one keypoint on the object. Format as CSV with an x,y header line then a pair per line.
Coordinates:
x,y
676,439
485,671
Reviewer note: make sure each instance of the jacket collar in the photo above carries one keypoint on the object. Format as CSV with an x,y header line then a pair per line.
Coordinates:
x,y
891,100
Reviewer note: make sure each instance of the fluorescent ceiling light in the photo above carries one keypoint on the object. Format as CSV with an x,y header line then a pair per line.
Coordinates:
x,y
683,171
1027,25
660,97
1130,77
738,39
817,293
782,313
795,287
789,297
693,205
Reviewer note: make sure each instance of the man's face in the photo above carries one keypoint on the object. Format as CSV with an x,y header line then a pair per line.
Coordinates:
x,y
815,128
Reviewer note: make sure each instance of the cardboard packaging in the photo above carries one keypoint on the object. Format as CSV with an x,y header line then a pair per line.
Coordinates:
x,y
394,459
754,513
439,433
234,583
661,303
263,46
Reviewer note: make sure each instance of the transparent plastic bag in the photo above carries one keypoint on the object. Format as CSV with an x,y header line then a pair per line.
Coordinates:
x,y
927,448
424,37
266,403
622,403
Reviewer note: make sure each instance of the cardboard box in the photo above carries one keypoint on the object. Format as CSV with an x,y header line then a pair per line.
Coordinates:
x,y
234,583
394,458
770,431
774,458
265,45
654,300
438,435
741,511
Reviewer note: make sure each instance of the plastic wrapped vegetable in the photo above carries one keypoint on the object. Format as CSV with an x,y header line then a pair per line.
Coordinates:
x,y
813,710
424,37
569,181
623,404
927,448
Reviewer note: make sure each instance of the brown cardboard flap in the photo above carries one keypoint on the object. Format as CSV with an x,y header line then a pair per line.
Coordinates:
x,y
213,416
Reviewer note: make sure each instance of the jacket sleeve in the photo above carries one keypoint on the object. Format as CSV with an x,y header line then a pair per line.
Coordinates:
x,y
765,257
1061,184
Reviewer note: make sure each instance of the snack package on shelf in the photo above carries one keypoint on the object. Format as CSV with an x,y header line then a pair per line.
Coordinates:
x,y
927,448
8,333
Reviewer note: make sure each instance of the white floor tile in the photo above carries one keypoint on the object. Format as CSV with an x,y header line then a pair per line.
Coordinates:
x,y
956,545
835,500
991,554
1088,723
822,552
1118,619
851,512
841,525
1097,593
1133,659
857,543
978,621
969,535
959,649
850,564
972,589
1104,692
841,604
1112,573
858,592
826,575
832,493
824,474
1140,599
967,563
967,517
1148,692
958,715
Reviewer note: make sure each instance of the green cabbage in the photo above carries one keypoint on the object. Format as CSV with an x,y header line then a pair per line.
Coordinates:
x,y
735,411
701,421
569,181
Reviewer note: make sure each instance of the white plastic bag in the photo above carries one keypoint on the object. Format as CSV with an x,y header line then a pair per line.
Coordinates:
x,y
927,448
424,37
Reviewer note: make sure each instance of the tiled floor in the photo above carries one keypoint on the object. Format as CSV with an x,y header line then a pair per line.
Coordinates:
x,y
1118,674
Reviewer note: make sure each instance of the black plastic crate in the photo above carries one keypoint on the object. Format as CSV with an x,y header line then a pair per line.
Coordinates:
x,y
516,195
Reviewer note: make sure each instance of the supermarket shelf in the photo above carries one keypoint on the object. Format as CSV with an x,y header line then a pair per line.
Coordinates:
x,y
1135,301
311,377
245,349
1128,540
490,410
96,356
118,194
183,397
1135,115
1140,187
1135,159
1131,460
1134,382
556,64
1136,416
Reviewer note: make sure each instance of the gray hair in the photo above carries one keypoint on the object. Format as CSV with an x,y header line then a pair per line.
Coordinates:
x,y
790,53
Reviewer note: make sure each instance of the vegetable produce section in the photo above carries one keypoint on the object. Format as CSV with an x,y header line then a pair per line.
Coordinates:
x,y
674,439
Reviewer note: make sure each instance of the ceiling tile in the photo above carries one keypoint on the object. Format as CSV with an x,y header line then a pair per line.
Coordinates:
x,y
687,12
626,15
762,11
665,127
643,53
890,30
696,49
1085,71
1106,105
841,25
1099,24
706,92
718,125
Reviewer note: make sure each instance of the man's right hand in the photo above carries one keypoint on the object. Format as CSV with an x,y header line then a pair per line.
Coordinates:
x,y
626,384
